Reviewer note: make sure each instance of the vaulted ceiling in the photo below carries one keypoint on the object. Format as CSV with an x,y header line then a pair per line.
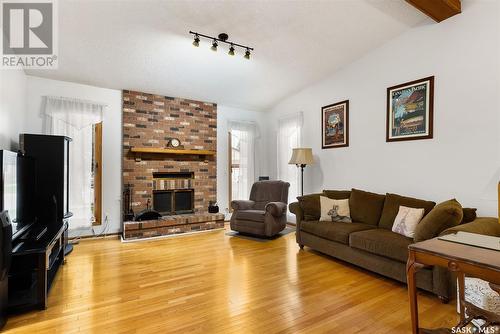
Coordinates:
x,y
145,45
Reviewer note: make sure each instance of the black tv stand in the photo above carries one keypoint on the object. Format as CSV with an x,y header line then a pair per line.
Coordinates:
x,y
35,262
35,234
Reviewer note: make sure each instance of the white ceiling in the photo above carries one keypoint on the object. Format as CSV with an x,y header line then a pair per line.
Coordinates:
x,y
145,45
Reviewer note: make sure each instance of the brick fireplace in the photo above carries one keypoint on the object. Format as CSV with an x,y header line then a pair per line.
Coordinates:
x,y
171,180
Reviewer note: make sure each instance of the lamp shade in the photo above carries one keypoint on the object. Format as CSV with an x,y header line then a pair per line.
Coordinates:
x,y
301,156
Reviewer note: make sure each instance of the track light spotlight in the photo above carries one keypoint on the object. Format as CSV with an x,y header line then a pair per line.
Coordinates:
x,y
196,41
214,45
224,39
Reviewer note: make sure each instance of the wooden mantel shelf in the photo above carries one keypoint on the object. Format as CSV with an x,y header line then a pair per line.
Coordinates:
x,y
150,150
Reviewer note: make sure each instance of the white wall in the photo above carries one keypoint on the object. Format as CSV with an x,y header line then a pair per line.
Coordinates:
x,y
12,107
225,114
461,161
37,88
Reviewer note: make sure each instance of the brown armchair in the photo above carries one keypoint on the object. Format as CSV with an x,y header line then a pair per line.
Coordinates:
x,y
265,213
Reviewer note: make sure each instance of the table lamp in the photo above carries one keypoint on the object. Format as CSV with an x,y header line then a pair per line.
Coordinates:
x,y
301,157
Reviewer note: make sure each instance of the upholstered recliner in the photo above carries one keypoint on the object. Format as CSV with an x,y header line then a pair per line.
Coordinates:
x,y
265,213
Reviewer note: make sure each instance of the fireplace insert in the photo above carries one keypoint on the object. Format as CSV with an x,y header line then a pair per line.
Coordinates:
x,y
173,202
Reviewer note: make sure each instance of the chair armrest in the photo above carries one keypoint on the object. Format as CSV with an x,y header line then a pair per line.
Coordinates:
x,y
277,209
483,225
242,205
296,209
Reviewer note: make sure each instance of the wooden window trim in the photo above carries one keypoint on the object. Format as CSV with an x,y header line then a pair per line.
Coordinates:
x,y
98,174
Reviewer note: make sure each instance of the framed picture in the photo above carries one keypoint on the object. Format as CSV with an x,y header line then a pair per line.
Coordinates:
x,y
335,125
410,110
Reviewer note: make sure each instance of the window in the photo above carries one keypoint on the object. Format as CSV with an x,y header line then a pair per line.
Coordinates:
x,y
289,137
81,121
241,159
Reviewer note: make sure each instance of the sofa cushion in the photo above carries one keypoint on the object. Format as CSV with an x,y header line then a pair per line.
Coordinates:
x,y
337,231
469,215
392,204
310,206
251,215
366,207
337,194
382,242
443,216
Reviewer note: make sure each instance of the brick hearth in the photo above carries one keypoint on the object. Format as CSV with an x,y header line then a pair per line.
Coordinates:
x,y
169,225
150,121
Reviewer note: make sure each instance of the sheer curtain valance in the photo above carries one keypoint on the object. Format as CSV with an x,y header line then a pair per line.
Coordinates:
x,y
76,113
75,118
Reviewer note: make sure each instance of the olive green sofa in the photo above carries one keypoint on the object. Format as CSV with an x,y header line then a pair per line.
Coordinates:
x,y
368,241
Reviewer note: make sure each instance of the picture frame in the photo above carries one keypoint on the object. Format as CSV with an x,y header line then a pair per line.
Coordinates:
x,y
410,110
335,125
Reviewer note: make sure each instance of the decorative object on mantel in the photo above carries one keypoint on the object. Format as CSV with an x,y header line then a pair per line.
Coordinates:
x,y
335,125
301,157
174,142
222,38
410,110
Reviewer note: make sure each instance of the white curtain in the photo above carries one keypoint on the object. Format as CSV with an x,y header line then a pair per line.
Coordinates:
x,y
243,138
289,137
75,119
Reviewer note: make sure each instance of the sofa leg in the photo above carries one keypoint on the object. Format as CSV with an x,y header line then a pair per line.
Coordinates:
x,y
301,246
444,300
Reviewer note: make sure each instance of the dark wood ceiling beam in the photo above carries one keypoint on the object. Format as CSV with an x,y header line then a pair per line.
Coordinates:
x,y
438,10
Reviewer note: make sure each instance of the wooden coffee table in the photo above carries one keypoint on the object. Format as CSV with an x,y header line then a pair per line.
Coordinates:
x,y
459,258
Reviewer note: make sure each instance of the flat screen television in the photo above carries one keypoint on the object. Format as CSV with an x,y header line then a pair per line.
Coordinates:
x,y
17,195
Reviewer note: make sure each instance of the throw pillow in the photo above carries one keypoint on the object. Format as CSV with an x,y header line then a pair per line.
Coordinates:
x,y
337,194
366,207
310,206
443,216
392,204
406,220
334,210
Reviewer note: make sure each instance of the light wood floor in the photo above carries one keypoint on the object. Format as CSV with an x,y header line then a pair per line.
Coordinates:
x,y
214,283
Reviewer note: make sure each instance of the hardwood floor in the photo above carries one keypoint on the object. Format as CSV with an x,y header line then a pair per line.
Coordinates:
x,y
214,283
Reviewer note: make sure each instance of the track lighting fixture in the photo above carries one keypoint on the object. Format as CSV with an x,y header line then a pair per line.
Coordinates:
x,y
196,41
221,38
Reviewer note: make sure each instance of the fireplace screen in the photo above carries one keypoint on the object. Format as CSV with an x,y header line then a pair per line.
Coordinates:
x,y
173,193
170,202
162,202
